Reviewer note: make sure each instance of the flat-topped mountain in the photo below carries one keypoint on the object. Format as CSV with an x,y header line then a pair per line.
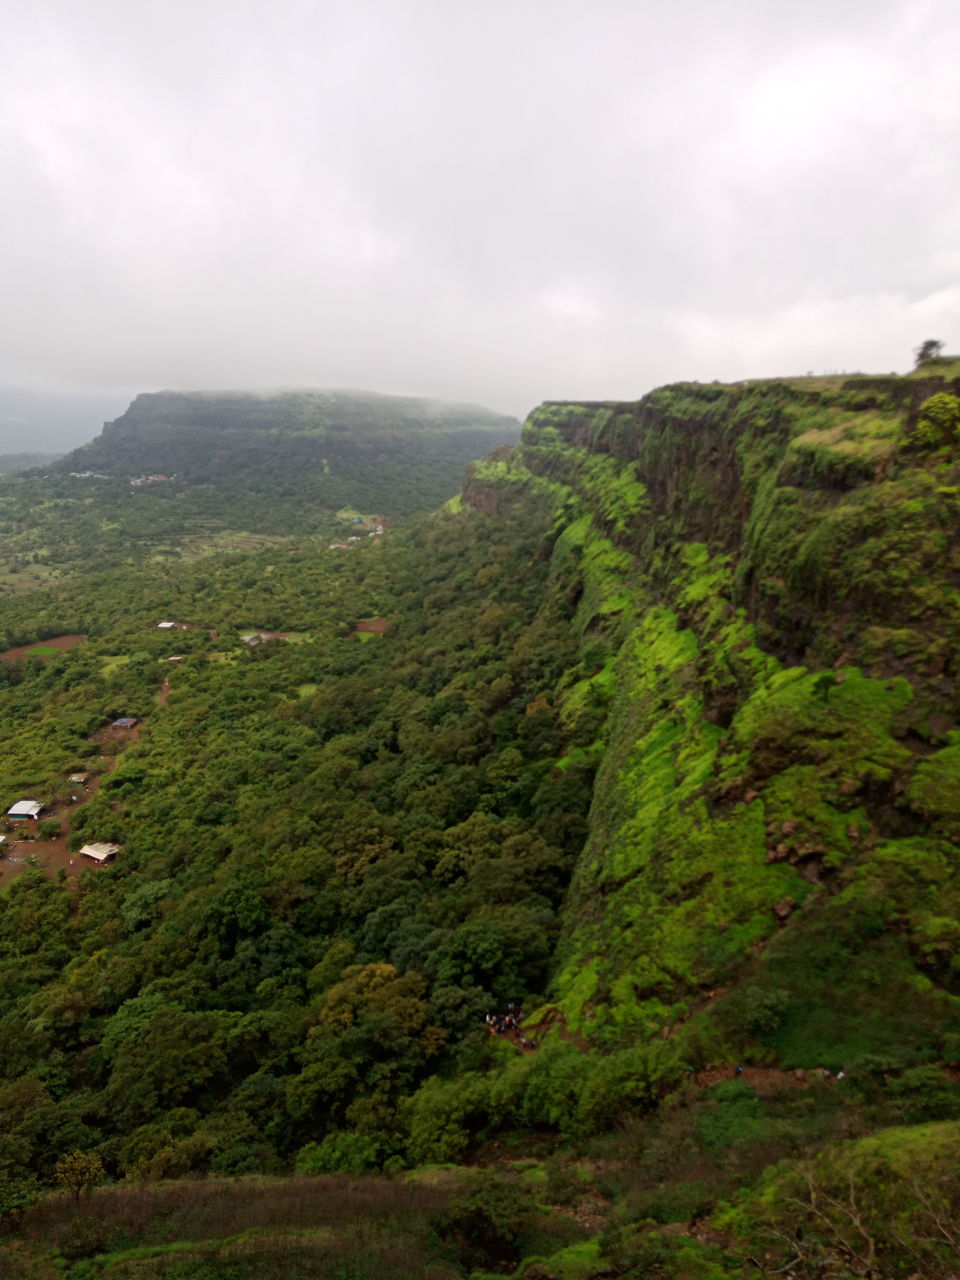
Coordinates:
x,y
377,452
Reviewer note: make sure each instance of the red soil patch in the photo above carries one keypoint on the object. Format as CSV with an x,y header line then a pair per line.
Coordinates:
x,y
765,1080
375,626
509,1033
54,642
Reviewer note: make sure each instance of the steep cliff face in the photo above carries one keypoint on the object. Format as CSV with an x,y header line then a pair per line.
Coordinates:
x,y
763,578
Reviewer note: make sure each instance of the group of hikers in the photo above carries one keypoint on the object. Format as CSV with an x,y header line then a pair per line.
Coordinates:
x,y
500,1024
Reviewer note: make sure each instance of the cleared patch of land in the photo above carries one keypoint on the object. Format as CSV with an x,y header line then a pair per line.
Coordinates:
x,y
42,648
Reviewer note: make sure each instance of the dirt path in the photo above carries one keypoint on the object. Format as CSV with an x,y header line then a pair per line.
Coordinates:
x,y
765,1080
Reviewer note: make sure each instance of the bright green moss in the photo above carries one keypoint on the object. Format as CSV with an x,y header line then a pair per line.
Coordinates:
x,y
935,786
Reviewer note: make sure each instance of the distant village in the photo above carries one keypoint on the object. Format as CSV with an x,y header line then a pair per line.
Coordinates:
x,y
371,526
134,480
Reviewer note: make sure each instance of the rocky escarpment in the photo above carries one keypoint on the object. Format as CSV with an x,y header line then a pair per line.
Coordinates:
x,y
764,581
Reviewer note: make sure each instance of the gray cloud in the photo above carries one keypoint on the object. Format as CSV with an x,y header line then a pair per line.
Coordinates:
x,y
505,202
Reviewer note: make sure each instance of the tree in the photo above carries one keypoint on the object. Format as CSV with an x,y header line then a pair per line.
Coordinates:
x,y
17,1194
486,1224
78,1171
928,350
937,422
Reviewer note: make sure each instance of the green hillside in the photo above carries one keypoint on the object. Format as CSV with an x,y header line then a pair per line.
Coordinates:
x,y
654,733
391,454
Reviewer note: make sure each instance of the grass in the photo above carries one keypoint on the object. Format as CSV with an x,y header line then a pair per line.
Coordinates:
x,y
866,434
38,575
198,546
113,663
266,1227
938,367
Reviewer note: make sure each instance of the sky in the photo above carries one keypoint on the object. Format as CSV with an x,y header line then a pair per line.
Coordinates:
x,y
503,201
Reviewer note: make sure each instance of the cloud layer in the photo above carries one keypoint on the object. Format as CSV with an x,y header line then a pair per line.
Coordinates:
x,y
504,201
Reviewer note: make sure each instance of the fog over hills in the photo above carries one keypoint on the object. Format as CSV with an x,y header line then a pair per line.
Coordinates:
x,y
394,454
51,420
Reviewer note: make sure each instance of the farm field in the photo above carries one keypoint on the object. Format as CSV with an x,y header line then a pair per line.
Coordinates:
x,y
43,648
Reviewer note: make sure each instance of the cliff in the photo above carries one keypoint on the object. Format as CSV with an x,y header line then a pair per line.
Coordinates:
x,y
763,580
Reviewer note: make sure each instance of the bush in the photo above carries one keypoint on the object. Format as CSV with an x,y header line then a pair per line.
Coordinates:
x,y
442,1116
340,1153
937,422
925,1093
484,1226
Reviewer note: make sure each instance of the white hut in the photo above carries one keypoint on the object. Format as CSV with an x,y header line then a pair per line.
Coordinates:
x,y
24,809
100,852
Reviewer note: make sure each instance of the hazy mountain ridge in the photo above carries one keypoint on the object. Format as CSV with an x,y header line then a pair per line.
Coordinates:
x,y
13,463
381,453
50,421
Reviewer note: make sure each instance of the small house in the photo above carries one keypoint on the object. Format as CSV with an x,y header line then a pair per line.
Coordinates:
x,y
78,779
24,810
100,852
166,626
124,722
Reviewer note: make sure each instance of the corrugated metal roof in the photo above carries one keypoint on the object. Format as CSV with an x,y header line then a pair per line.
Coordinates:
x,y
100,852
24,809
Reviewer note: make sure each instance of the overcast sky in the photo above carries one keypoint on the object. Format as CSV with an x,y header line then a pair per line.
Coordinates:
x,y
495,200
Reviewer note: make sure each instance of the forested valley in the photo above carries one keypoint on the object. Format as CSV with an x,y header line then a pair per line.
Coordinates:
x,y
652,734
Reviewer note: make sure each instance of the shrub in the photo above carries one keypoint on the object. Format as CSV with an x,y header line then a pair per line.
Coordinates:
x,y
484,1226
340,1153
925,1093
441,1117
937,422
